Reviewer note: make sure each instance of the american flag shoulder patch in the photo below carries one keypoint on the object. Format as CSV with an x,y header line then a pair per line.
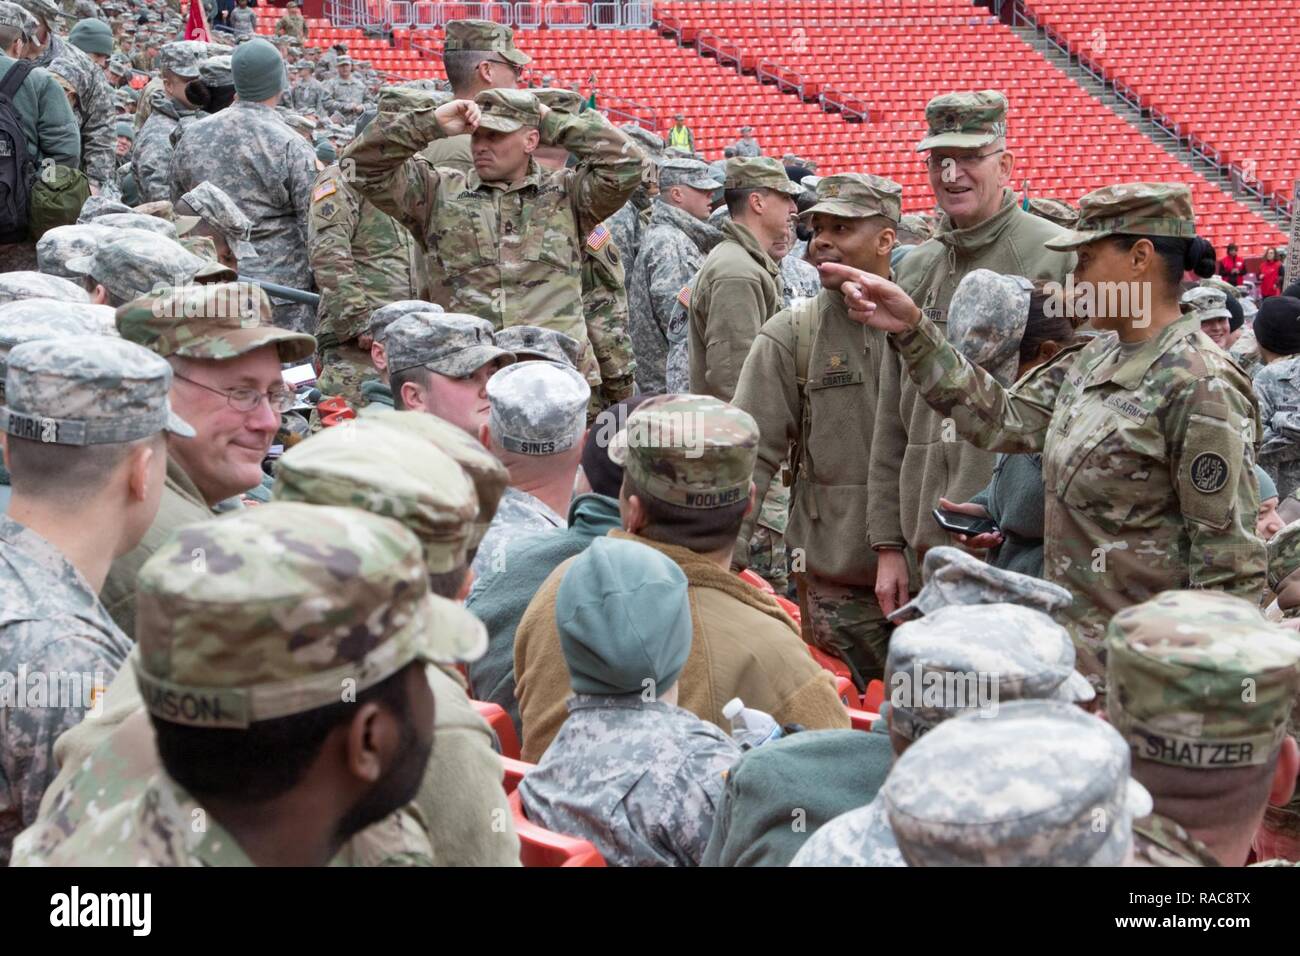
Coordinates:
x,y
684,296
599,236
323,190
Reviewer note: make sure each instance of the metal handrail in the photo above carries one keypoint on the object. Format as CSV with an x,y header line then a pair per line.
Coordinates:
x,y
849,106
780,75
719,49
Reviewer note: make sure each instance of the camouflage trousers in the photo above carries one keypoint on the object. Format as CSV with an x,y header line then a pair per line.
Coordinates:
x,y
767,557
846,622
343,370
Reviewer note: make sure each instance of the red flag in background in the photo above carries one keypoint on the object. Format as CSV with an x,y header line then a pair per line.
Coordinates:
x,y
196,27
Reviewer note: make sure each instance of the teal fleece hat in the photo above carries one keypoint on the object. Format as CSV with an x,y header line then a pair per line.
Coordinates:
x,y
624,618
92,36
258,71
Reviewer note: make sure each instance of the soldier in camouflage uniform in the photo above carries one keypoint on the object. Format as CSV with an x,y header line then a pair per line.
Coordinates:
x,y
378,626
511,253
242,19
1056,211
135,262
1277,387
36,285
528,342
377,390
362,259
291,23
1176,669
265,167
632,772
1040,784
1283,561
628,224
308,94
813,410
1210,306
62,243
152,153
1014,652
65,400
220,220
747,146
535,427
345,94
1147,443
676,241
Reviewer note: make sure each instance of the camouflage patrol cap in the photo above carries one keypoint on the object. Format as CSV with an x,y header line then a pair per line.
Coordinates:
x,y
507,111
759,172
1042,783
1131,209
483,36
920,227
449,343
952,576
687,172
220,320
1283,554
164,210
967,658
32,320
529,341
386,315
364,464
217,70
137,220
538,408
131,265
46,10
62,243
1227,288
323,601
694,451
12,15
1205,303
964,120
180,59
38,285
857,196
1200,679
87,390
119,65
97,206
215,207
488,474
1054,210
561,100
986,321
647,139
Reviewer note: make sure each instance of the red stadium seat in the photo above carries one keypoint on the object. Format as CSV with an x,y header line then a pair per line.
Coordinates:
x,y
515,770
501,725
538,847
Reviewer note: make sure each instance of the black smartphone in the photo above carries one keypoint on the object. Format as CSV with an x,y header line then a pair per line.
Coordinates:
x,y
958,523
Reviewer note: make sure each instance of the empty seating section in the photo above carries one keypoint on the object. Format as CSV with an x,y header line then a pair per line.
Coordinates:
x,y
896,54
1223,72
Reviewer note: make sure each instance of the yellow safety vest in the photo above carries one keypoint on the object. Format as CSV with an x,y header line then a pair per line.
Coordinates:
x,y
679,136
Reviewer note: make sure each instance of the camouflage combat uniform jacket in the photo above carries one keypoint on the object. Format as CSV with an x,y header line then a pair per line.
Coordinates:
x,y
308,96
362,258
291,25
507,253
95,108
1148,459
151,156
52,627
861,837
345,97
518,515
628,225
1277,386
675,244
640,780
242,20
1159,841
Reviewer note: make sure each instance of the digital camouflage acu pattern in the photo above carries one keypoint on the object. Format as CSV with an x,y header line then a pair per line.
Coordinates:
x,y
386,315
530,342
1042,783
1283,555
986,321
267,169
537,408
1277,388
449,343
308,95
132,265
222,320
26,318
36,285
508,255
953,576
87,390
91,100
964,120
689,450
640,780
138,221
1177,666
1147,452
152,151
1206,303
62,243
366,465
518,515
348,586
674,245
219,211
346,98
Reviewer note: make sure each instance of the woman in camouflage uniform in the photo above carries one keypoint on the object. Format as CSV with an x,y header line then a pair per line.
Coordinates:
x,y
1147,431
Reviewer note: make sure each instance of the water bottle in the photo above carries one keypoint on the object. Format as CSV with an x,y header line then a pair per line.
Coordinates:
x,y
750,728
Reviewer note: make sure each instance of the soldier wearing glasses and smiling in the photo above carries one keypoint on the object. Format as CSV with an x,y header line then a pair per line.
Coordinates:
x,y
983,227
225,356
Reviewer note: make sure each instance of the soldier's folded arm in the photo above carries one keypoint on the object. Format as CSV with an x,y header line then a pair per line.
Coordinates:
x,y
735,316
1010,420
57,134
768,391
388,173
609,163
1216,490
1281,440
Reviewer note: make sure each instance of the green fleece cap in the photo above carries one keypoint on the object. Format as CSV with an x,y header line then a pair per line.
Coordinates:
x,y
92,36
624,619
258,71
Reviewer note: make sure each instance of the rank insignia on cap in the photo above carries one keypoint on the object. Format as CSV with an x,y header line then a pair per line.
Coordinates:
x,y
599,236
684,296
323,190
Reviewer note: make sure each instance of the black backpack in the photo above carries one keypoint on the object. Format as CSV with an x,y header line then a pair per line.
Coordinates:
x,y
16,168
